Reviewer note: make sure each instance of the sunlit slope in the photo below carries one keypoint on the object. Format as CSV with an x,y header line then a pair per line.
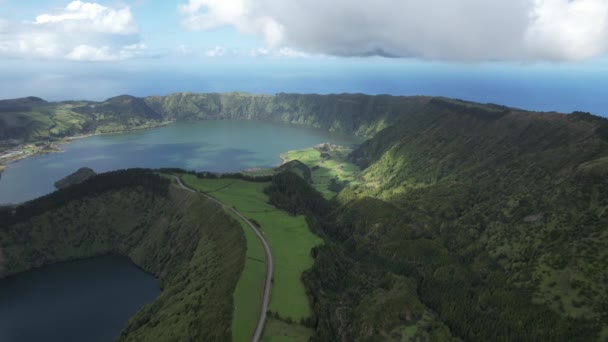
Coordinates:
x,y
517,200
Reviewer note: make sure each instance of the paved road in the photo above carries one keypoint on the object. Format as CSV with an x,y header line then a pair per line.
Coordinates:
x,y
269,264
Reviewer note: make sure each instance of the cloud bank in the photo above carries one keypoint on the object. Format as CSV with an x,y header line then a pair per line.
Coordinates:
x,y
81,31
463,30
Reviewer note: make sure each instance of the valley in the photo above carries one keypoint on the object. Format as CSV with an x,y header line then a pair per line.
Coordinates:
x,y
290,241
304,171
451,221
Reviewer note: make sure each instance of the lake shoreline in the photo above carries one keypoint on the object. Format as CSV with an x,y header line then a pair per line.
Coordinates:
x,y
25,151
4,276
207,145
284,158
134,129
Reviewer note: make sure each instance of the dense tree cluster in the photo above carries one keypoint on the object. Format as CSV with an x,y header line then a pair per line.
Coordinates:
x,y
176,235
132,178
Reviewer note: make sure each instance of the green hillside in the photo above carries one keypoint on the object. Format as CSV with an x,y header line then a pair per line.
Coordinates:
x,y
512,209
347,113
454,221
34,120
389,273
190,243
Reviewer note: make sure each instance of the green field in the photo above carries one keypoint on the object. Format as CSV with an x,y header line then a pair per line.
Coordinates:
x,y
249,289
324,170
280,331
289,238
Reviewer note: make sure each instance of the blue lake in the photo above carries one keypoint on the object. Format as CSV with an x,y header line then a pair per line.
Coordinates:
x,y
218,146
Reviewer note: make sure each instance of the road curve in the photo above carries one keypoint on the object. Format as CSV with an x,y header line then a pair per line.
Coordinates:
x,y
269,261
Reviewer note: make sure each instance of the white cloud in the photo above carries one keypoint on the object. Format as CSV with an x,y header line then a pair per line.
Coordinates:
x,y
284,52
570,29
463,30
81,31
92,17
104,53
210,14
217,51
226,52
183,50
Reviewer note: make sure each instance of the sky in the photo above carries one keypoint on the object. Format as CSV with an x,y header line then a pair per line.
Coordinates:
x,y
535,54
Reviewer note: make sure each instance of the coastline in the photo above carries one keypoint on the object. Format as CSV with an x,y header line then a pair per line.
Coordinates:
x,y
28,150
284,158
133,129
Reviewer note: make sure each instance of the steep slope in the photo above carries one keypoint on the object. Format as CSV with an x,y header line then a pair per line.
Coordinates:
x,y
356,296
32,120
35,120
517,199
190,243
120,111
391,273
348,113
20,104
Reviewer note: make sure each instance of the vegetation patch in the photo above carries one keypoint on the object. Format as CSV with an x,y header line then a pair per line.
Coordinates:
x,y
277,330
195,249
521,217
289,237
331,171
249,289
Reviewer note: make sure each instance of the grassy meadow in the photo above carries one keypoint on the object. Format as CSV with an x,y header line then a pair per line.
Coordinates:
x,y
324,170
250,287
289,238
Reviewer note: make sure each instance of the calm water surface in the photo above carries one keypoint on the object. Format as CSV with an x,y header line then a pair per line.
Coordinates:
x,y
219,146
87,300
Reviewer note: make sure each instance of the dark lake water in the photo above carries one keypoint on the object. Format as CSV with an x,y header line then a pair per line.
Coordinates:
x,y
87,300
218,146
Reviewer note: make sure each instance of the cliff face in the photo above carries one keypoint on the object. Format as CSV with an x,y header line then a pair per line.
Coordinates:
x,y
358,114
347,113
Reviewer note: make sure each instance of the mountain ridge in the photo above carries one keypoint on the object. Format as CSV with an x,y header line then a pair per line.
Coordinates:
x,y
363,115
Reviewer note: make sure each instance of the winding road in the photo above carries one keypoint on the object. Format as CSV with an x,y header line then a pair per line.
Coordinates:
x,y
269,264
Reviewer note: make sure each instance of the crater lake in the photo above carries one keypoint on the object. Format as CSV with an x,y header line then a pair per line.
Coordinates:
x,y
216,146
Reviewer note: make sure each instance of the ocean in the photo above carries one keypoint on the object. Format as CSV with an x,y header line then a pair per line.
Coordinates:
x,y
548,87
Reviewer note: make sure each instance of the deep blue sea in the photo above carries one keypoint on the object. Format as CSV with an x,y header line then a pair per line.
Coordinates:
x,y
542,87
